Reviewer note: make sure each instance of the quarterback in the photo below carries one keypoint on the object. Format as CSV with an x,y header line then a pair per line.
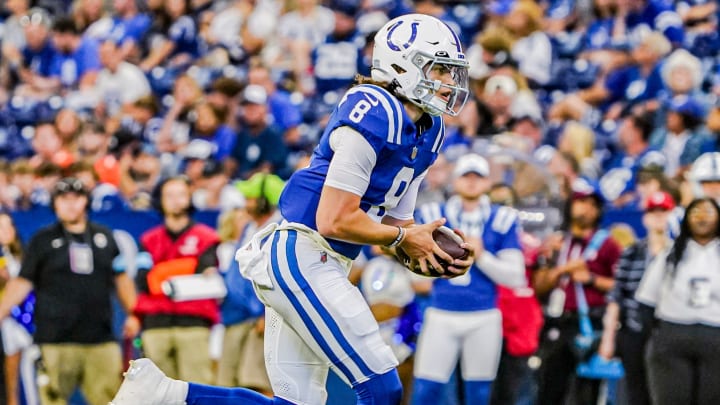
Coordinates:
x,y
359,189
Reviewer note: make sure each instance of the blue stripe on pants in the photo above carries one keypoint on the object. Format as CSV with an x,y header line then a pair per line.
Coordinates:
x,y
294,269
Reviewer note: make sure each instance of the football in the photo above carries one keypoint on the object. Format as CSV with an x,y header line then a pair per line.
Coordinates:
x,y
448,241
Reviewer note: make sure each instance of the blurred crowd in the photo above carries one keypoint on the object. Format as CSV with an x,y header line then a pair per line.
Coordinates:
x,y
619,95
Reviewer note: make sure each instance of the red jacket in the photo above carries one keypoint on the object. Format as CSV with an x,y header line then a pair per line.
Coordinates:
x,y
192,243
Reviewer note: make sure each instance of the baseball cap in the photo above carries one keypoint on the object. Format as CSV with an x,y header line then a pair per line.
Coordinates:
x,y
471,163
69,185
584,188
685,105
506,84
659,200
706,168
269,185
254,94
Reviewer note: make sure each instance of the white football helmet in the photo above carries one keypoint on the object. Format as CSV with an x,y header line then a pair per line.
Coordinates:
x,y
411,46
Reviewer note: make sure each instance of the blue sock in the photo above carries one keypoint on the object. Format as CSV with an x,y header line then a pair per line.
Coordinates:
x,y
383,389
477,392
199,394
427,392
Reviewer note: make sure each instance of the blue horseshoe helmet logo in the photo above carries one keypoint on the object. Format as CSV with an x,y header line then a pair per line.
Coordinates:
x,y
406,45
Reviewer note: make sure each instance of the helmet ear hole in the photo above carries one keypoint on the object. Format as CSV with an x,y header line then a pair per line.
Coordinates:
x,y
398,69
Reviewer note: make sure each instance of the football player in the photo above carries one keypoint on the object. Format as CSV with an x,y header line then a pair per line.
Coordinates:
x,y
463,322
359,189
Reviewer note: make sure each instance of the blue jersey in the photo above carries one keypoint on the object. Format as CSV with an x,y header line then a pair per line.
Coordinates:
x,y
41,61
71,67
497,226
658,15
336,62
402,149
131,29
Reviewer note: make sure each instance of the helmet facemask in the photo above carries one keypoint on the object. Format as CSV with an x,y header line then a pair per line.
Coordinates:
x,y
443,84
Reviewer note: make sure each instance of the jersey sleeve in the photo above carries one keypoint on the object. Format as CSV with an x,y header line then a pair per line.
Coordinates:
x,y
373,112
506,223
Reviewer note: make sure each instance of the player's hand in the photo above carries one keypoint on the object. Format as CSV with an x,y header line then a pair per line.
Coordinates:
x,y
475,248
420,246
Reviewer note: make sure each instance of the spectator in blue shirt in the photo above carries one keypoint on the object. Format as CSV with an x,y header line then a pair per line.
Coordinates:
x,y
33,66
129,27
179,47
209,126
285,112
259,146
77,62
682,135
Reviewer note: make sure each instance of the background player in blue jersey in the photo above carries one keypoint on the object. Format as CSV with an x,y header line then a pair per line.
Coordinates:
x,y
463,322
359,189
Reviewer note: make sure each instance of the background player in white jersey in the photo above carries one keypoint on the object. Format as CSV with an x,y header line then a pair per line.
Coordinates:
x,y
462,321
359,189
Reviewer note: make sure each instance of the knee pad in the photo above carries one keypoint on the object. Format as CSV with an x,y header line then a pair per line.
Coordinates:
x,y
383,389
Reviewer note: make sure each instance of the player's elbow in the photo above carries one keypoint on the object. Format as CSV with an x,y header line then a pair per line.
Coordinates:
x,y
328,227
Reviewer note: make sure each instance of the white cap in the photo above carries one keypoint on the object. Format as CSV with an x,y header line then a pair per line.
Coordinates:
x,y
255,94
506,84
706,167
471,163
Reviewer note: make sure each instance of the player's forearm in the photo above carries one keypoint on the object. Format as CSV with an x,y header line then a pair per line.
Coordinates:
x,y
15,292
506,269
357,227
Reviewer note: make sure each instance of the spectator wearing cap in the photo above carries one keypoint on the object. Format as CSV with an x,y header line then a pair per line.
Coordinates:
x,y
285,112
259,146
242,362
681,285
704,176
77,63
34,65
581,258
492,98
463,312
627,323
119,83
682,136
72,273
